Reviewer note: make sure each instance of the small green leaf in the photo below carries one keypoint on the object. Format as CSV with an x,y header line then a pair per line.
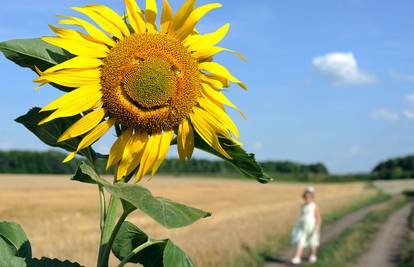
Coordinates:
x,y
175,256
46,262
166,212
130,237
13,235
12,261
29,53
243,161
50,132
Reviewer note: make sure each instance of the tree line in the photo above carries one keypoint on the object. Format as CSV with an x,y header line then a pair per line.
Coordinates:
x,y
50,162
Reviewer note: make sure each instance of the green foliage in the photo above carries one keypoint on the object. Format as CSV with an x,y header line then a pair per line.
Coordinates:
x,y
130,237
149,253
173,214
15,250
50,132
35,53
407,252
245,162
16,240
31,53
396,168
47,162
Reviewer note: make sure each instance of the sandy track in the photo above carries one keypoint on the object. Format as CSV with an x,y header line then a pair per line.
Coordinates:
x,y
329,233
385,248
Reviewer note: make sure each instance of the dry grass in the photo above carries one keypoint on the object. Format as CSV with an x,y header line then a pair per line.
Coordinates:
x,y
61,219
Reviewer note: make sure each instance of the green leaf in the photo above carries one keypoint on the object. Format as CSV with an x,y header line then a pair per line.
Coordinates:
x,y
130,237
243,161
175,256
166,212
29,53
46,262
13,235
49,132
12,261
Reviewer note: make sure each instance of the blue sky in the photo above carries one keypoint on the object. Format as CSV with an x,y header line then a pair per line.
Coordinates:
x,y
329,81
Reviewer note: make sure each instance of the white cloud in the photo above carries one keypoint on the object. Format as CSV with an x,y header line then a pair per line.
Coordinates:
x,y
402,76
384,114
352,152
257,146
409,114
342,69
410,99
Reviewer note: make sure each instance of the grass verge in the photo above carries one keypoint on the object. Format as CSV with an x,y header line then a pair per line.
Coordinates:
x,y
355,240
407,254
274,244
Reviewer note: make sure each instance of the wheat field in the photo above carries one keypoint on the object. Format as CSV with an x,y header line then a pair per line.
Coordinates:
x,y
60,216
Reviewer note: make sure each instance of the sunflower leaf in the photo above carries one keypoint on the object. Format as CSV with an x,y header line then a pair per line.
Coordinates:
x,y
49,132
35,53
243,161
130,237
164,211
175,256
47,262
14,241
31,53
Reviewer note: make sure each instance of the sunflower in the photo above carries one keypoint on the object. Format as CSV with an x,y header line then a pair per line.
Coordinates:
x,y
153,83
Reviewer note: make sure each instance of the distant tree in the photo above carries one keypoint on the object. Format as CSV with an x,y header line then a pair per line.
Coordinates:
x,y
395,168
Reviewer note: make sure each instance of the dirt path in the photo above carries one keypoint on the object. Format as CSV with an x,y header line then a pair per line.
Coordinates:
x,y
384,250
329,233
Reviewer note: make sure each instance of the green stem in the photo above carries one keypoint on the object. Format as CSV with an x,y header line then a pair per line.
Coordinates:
x,y
137,250
102,207
110,229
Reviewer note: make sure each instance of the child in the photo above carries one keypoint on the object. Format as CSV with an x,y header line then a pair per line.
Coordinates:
x,y
307,230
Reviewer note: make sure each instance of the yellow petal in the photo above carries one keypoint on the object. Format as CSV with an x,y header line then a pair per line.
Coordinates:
x,y
132,154
83,125
215,83
182,15
89,28
221,71
69,157
206,40
185,140
151,15
206,131
111,16
220,115
75,107
164,146
195,16
69,98
216,95
208,52
79,48
117,149
95,134
135,16
166,16
149,156
76,63
104,23
71,78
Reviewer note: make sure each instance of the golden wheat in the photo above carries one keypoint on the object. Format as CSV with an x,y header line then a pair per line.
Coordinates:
x,y
61,216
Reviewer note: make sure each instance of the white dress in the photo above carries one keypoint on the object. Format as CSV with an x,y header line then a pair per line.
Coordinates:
x,y
304,232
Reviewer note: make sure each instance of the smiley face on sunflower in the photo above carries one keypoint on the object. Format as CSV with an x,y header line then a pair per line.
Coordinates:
x,y
153,82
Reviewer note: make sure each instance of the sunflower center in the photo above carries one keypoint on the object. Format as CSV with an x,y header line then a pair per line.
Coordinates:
x,y
152,83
